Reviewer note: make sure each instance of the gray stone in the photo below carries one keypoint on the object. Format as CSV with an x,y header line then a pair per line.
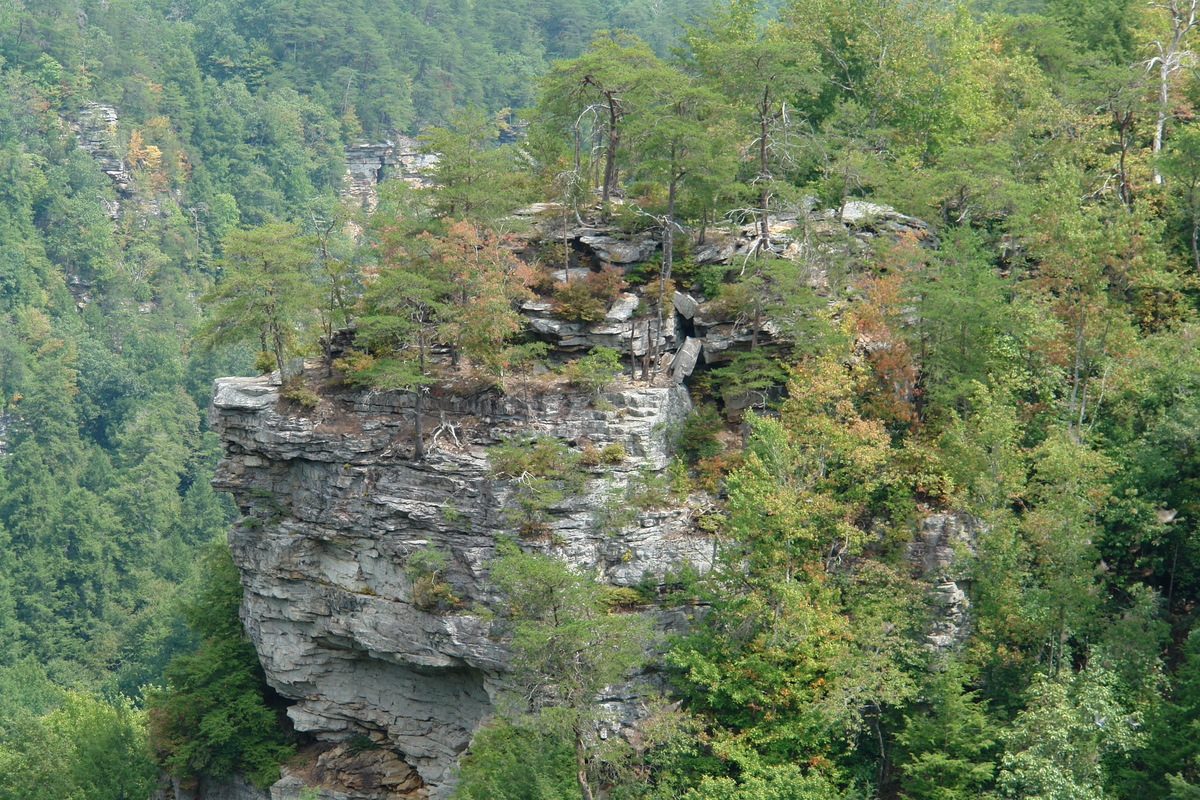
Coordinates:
x,y
715,252
938,551
620,251
685,359
855,212
574,274
95,130
247,394
235,788
333,508
623,308
685,304
370,163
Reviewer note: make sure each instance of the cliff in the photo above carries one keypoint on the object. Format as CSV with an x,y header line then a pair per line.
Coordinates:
x,y
340,514
335,508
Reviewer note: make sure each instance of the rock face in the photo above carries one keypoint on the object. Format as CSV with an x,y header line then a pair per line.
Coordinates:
x,y
939,552
370,163
824,245
6,420
95,130
335,506
340,510
234,788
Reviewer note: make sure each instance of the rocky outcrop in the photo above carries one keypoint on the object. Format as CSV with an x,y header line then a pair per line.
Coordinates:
x,y
6,421
95,130
370,163
339,509
823,244
353,770
234,788
939,552
335,506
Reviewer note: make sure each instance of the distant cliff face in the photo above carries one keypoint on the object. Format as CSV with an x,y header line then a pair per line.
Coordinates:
x,y
336,507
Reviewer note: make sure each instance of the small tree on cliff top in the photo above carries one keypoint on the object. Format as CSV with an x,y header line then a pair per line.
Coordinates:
x,y
265,291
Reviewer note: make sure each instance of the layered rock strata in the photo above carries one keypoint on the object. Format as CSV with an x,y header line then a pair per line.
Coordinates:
x,y
940,551
95,129
370,163
335,505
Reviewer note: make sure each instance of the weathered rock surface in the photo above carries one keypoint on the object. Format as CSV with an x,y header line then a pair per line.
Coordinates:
x,y
939,551
335,505
370,163
348,771
95,129
822,243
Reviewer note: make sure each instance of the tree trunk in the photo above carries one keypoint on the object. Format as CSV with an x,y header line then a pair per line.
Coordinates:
x,y
277,346
764,193
1196,241
610,157
1160,123
419,424
419,404
585,788
1124,187
664,275
1170,59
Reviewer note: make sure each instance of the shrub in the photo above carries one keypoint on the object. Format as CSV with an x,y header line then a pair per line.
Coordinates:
x,y
615,513
540,469
649,489
541,457
620,598
588,299
430,591
612,453
216,716
506,762
698,435
265,362
294,391
595,371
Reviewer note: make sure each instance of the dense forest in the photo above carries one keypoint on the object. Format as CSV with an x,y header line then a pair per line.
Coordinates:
x,y
1037,370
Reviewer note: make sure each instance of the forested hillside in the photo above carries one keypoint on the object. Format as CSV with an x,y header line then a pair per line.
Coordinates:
x,y
1031,367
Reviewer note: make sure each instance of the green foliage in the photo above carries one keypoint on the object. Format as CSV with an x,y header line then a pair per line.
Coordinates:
x,y
1165,760
85,748
949,750
430,590
567,648
541,457
1039,364
476,179
1055,747
515,762
265,290
611,454
780,782
697,437
587,299
294,390
542,471
596,371
214,717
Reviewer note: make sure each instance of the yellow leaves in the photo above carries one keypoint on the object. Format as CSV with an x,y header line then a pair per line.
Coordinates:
x,y
153,153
